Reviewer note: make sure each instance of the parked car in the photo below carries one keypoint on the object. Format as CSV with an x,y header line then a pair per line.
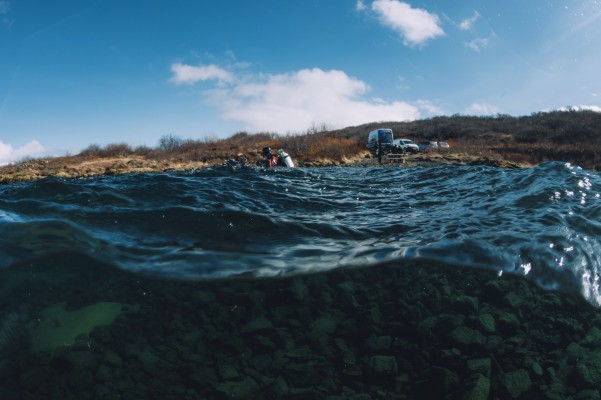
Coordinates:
x,y
427,146
406,145
379,142
443,146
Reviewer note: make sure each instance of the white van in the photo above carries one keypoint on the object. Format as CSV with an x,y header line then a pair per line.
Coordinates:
x,y
407,145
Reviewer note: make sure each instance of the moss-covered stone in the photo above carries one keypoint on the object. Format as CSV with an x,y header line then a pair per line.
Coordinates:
x,y
588,394
467,337
379,343
479,388
589,368
481,366
593,338
487,322
516,382
246,389
383,365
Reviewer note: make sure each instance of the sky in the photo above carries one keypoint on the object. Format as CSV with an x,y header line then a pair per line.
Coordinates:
x,y
80,72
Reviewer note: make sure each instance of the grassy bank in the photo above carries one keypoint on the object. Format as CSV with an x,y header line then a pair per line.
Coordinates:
x,y
567,136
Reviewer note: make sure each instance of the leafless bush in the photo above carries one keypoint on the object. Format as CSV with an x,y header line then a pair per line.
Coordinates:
x,y
169,142
92,150
117,149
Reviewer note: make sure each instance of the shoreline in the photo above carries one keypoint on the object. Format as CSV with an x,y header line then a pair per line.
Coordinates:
x,y
82,166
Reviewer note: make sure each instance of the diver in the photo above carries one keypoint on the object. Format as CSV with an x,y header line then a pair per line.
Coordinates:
x,y
237,162
270,159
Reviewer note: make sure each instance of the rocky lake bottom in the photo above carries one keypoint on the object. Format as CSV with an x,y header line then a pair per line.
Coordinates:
x,y
387,332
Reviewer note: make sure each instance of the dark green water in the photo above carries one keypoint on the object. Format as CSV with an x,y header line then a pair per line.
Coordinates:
x,y
332,283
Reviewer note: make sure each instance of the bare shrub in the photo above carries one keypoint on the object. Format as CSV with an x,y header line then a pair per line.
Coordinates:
x,y
143,151
169,142
92,150
117,149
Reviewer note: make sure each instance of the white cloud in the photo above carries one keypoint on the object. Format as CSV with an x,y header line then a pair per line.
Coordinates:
x,y
430,108
414,24
468,23
9,154
360,6
477,44
481,109
189,74
580,108
294,101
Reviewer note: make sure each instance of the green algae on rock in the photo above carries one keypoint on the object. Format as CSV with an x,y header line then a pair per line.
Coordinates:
x,y
56,327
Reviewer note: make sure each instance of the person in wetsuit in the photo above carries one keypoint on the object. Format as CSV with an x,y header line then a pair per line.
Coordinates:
x,y
270,159
239,161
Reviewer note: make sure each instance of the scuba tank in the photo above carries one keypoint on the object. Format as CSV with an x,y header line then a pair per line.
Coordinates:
x,y
286,157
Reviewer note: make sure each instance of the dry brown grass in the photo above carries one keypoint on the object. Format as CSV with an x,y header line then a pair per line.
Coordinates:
x,y
568,137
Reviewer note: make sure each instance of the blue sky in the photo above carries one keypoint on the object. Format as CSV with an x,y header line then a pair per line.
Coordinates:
x,y
81,72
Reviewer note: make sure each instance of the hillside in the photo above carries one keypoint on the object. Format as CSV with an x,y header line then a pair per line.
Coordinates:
x,y
570,136
567,136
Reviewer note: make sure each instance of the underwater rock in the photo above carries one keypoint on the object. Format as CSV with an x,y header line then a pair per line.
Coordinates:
x,y
279,389
590,394
481,366
246,389
112,358
589,368
383,365
487,322
101,335
466,304
467,337
516,382
514,300
479,388
507,323
447,379
34,378
260,324
379,343
104,374
447,322
81,359
80,379
228,372
593,338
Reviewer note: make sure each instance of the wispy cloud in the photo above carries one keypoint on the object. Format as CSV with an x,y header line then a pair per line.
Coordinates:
x,y
4,6
188,74
468,23
360,6
415,25
292,102
4,18
429,107
481,109
8,153
477,44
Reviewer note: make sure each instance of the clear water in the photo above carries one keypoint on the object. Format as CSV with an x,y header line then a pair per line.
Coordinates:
x,y
325,283
542,223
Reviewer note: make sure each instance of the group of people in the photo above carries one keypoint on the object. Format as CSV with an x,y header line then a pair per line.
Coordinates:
x,y
281,159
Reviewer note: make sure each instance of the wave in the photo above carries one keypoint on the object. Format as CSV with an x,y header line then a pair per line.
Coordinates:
x,y
541,223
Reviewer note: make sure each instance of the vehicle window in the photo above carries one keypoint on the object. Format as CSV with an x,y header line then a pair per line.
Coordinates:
x,y
385,136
